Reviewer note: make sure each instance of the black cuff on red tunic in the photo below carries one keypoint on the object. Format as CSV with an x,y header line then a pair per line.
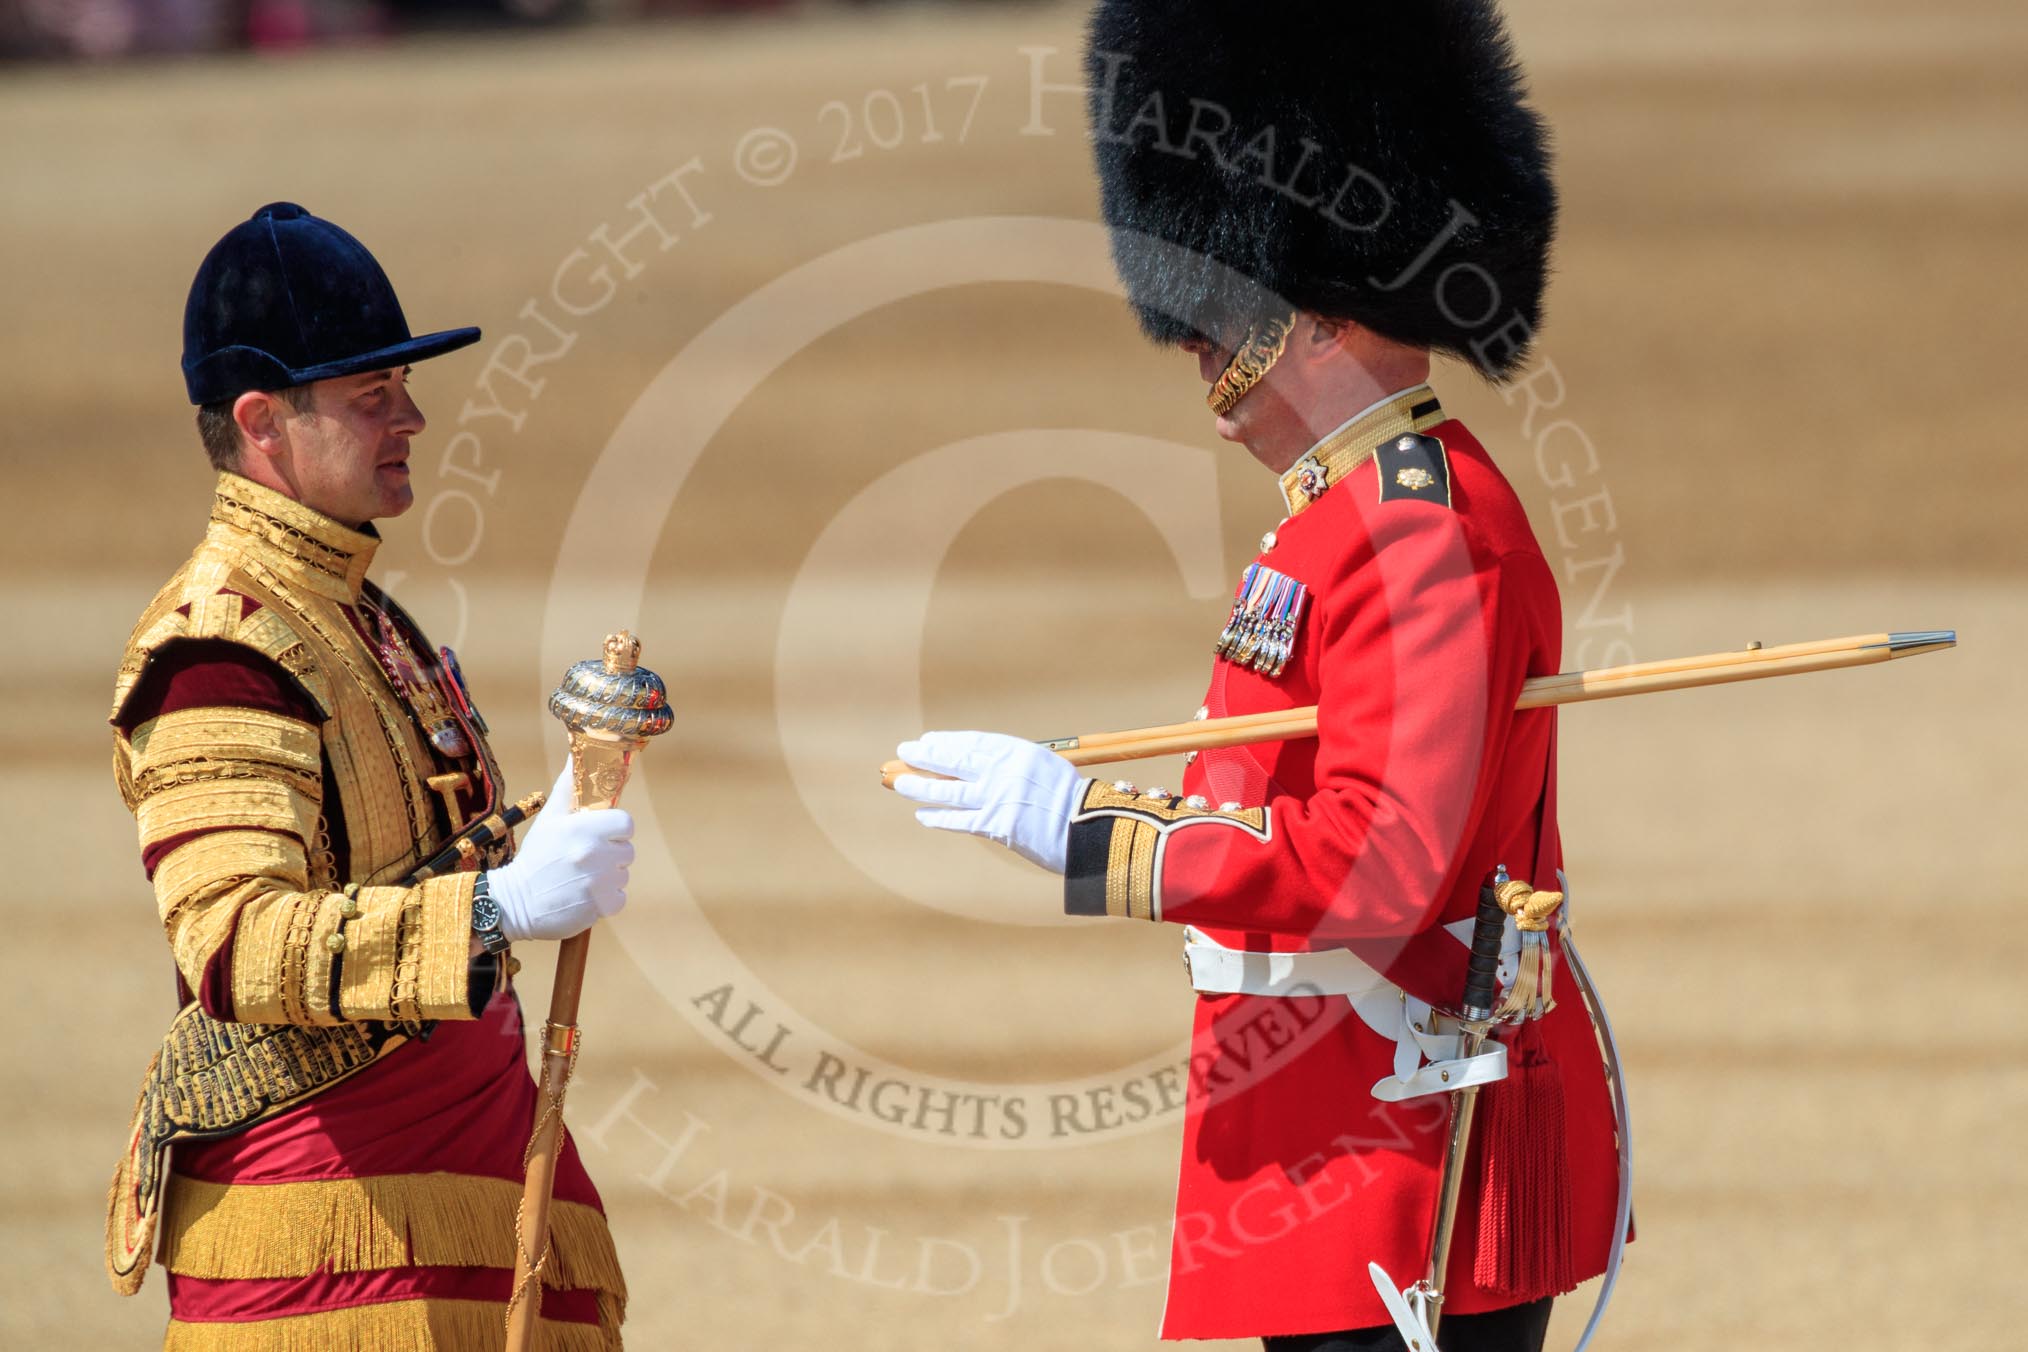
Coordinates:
x,y
1084,871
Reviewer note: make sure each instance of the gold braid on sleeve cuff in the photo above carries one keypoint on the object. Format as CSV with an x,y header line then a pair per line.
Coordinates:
x,y
407,953
1113,864
396,954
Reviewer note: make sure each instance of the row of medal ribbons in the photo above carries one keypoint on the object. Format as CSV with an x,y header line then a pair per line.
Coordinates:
x,y
1262,628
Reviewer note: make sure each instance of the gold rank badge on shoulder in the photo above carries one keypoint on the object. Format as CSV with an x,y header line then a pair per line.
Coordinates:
x,y
1265,612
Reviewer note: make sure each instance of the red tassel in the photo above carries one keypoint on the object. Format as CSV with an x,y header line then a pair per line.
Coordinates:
x,y
1524,1199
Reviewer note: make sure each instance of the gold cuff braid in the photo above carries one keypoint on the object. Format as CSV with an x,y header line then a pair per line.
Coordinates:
x,y
404,955
1117,839
280,974
1100,796
408,952
1130,869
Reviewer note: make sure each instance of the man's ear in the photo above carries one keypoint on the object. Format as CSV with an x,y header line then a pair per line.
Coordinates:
x,y
1318,339
258,414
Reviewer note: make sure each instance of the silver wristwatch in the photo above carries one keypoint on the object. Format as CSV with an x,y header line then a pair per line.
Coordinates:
x,y
486,918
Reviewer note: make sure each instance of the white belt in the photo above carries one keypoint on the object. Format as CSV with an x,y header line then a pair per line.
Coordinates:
x,y
1426,1059
1401,1018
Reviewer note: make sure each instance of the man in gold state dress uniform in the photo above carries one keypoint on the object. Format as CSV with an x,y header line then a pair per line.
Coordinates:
x,y
328,1144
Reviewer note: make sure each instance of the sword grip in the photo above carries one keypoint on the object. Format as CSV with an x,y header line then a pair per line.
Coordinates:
x,y
1482,969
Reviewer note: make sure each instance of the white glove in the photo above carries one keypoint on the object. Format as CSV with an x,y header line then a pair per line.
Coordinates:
x,y
570,871
1001,787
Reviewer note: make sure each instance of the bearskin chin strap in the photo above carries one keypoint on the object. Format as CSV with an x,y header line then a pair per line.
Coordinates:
x,y
1257,352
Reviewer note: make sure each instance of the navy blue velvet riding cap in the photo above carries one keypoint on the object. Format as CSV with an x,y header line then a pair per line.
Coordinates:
x,y
287,298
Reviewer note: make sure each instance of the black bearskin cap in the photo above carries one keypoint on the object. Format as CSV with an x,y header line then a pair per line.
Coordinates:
x,y
1312,155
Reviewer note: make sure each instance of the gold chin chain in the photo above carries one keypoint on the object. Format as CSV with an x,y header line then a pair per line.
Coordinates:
x,y
1260,349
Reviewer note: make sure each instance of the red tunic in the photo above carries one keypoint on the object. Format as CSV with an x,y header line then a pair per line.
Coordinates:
x,y
1423,619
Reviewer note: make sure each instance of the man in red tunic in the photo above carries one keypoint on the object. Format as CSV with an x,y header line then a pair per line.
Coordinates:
x,y
1313,205
331,1134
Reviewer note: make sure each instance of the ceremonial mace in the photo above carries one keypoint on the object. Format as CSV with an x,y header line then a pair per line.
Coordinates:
x,y
611,707
1538,692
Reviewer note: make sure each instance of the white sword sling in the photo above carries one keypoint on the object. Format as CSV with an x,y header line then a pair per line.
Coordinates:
x,y
1437,1052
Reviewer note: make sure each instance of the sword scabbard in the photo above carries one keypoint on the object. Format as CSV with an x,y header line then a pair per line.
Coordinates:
x,y
1482,986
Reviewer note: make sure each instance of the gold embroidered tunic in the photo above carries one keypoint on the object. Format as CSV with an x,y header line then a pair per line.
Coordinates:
x,y
273,741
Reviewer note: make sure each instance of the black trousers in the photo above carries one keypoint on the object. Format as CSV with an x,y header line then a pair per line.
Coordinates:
x,y
1518,1328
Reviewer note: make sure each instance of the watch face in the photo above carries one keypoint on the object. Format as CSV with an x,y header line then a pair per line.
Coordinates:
x,y
485,913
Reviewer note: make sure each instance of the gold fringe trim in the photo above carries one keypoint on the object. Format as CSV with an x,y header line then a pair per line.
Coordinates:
x,y
365,1224
398,1326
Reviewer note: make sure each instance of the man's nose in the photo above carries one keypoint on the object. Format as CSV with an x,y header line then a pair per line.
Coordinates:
x,y
408,416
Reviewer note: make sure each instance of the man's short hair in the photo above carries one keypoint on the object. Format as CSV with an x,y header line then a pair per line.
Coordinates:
x,y
220,434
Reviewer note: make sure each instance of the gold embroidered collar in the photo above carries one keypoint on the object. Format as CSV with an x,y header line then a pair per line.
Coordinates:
x,y
307,548
1351,445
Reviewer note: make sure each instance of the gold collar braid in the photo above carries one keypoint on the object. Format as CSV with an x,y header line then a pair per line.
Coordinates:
x,y
1350,446
305,547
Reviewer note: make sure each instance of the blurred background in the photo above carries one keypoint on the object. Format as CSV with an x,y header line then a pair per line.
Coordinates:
x,y
800,358
104,29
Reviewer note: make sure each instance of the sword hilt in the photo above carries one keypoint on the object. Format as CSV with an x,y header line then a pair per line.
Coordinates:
x,y
1482,969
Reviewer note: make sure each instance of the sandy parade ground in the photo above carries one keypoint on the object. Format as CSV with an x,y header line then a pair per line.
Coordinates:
x,y
802,353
